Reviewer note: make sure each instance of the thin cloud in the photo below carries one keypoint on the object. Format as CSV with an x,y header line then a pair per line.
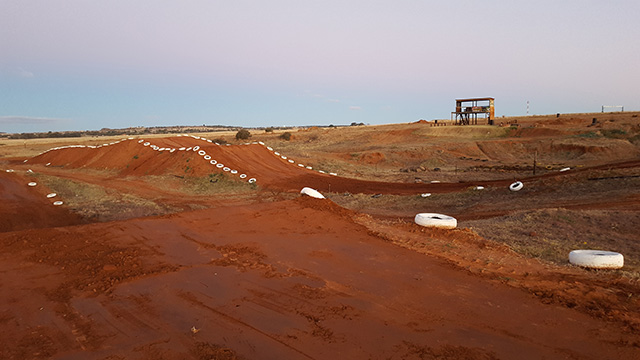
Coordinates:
x,y
333,100
29,120
20,72
355,108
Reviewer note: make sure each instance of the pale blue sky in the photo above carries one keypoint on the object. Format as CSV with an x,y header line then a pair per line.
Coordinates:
x,y
81,64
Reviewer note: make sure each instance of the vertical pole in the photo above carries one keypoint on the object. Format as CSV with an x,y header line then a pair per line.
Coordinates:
x,y
527,107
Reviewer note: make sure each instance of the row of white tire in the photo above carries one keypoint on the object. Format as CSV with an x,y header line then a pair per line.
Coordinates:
x,y
49,196
272,150
158,148
292,162
200,152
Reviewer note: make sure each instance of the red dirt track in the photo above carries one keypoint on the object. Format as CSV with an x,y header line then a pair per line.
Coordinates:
x,y
292,279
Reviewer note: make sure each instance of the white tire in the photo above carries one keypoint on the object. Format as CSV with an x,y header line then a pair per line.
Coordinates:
x,y
425,195
32,184
565,169
141,141
479,187
51,195
252,180
196,148
597,259
226,168
242,176
58,203
234,171
516,186
291,161
311,192
220,166
207,157
147,143
202,153
213,162
436,220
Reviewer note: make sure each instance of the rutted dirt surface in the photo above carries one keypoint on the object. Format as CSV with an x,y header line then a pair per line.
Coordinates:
x,y
289,279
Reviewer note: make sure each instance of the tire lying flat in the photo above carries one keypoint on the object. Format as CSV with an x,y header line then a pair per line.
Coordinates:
x,y
436,220
596,259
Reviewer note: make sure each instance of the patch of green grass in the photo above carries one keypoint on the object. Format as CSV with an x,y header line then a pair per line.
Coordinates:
x,y
614,133
588,135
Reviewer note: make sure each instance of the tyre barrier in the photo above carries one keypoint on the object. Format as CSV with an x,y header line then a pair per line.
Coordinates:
x,y
596,259
32,184
58,203
311,192
516,186
479,188
436,220
565,169
425,195
51,195
160,149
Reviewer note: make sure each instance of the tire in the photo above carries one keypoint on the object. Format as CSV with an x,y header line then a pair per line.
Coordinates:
x,y
436,220
516,186
202,153
311,192
57,203
32,184
51,195
597,259
207,157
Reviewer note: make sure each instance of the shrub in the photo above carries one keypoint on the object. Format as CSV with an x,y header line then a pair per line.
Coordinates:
x,y
285,136
269,130
243,134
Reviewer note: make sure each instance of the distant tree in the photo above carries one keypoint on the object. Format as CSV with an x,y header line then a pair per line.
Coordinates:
x,y
243,134
269,130
285,136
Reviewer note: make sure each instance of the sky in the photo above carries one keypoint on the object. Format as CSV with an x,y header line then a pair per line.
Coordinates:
x,y
88,65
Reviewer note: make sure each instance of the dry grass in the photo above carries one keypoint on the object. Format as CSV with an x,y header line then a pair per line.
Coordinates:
x,y
99,204
213,184
550,234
